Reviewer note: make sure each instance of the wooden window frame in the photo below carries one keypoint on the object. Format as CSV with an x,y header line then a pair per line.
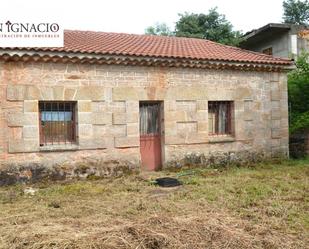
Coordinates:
x,y
229,129
52,139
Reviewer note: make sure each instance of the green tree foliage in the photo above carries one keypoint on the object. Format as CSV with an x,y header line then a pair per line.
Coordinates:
x,y
159,29
212,26
296,11
298,83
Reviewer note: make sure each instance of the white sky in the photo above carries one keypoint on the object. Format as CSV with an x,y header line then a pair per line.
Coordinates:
x,y
133,16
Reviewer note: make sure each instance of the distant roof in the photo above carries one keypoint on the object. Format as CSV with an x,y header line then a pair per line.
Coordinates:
x,y
273,26
269,30
102,43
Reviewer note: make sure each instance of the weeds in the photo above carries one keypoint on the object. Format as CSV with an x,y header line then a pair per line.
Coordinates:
x,y
261,206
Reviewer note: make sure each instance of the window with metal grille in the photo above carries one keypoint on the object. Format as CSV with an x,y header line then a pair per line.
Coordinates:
x,y
220,117
57,122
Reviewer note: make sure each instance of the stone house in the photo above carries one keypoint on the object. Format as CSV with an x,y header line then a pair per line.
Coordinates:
x,y
108,101
278,39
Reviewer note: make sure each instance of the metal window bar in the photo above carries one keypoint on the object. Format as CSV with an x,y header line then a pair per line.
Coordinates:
x,y
65,127
57,122
58,118
220,117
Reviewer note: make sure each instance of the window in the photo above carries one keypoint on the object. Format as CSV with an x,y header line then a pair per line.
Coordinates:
x,y
57,122
294,44
268,51
149,118
220,117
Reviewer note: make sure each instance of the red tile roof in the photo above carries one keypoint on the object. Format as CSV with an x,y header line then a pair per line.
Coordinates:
x,y
103,43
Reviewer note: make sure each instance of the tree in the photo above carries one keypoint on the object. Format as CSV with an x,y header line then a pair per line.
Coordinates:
x,y
212,26
159,29
296,12
298,83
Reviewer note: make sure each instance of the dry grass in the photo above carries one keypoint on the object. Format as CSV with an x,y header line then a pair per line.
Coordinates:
x,y
265,206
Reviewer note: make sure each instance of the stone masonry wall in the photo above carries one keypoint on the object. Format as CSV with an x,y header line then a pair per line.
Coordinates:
x,y
108,110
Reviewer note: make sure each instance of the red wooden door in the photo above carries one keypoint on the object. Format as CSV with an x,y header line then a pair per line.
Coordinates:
x,y
150,135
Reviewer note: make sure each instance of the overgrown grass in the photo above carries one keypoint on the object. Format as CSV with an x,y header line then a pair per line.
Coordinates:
x,y
278,192
263,206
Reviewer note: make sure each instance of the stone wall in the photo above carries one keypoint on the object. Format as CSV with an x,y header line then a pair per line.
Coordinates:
x,y
108,110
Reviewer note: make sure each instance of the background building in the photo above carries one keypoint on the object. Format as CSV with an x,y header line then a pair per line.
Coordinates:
x,y
278,39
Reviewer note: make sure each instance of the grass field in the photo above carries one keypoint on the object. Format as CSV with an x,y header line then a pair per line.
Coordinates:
x,y
263,206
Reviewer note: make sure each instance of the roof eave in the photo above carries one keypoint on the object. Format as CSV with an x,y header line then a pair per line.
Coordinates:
x,y
255,32
65,57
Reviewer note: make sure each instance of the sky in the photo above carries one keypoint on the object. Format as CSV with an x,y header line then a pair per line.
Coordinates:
x,y
133,16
